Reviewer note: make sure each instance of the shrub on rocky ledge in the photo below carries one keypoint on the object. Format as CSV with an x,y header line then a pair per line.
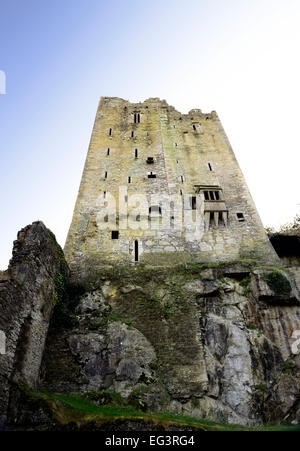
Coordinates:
x,y
278,283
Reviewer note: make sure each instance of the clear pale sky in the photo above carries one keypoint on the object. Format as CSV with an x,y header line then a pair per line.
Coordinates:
x,y
238,57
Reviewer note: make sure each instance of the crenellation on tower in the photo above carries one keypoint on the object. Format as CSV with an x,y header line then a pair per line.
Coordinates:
x,y
151,150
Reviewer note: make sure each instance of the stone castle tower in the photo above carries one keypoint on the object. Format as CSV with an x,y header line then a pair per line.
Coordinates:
x,y
151,150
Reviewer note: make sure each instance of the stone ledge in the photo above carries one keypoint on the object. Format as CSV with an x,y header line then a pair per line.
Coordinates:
x,y
263,292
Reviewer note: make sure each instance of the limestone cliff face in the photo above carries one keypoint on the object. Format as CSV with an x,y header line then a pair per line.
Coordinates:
x,y
210,341
27,296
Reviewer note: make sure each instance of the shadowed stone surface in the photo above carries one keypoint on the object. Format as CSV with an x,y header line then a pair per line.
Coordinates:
x,y
27,296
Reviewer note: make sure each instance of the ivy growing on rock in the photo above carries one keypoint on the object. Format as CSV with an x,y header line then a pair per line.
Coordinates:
x,y
278,283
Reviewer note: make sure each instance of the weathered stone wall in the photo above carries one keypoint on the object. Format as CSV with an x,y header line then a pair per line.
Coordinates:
x,y
211,342
192,146
27,296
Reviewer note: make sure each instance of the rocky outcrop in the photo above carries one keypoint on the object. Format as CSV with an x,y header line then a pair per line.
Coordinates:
x,y
28,291
212,341
121,355
207,342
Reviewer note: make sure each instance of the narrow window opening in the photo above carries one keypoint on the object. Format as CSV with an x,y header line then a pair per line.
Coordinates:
x,y
115,235
105,175
132,134
104,194
129,179
194,127
137,118
151,175
181,192
150,160
217,195
182,179
211,219
108,151
136,251
177,161
136,153
176,144
193,202
209,166
110,132
206,196
221,219
211,195
240,217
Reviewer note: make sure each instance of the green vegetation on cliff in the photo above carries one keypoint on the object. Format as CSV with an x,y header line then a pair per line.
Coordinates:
x,y
278,283
79,412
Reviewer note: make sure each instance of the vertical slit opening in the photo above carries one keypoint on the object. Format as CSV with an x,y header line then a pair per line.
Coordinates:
x,y
136,251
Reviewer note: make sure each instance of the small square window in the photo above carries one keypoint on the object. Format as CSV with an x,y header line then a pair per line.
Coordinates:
x,y
115,235
240,217
155,208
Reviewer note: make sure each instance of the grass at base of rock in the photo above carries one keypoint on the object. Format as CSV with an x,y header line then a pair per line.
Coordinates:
x,y
77,409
